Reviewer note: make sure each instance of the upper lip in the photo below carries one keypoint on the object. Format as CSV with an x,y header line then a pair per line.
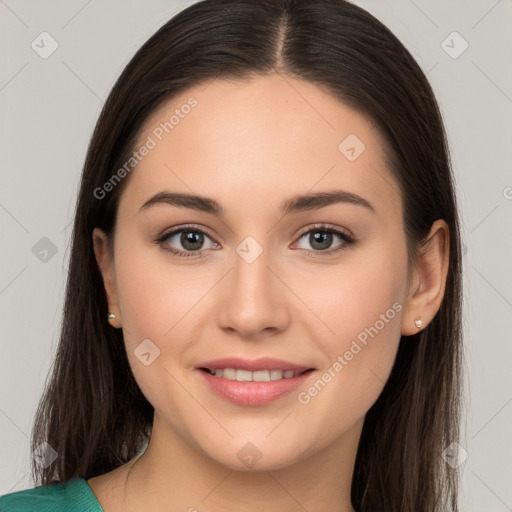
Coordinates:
x,y
263,363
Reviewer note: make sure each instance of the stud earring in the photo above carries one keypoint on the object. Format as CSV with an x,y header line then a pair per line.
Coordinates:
x,y
418,323
113,320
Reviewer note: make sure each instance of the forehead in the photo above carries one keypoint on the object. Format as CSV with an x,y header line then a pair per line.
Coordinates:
x,y
261,140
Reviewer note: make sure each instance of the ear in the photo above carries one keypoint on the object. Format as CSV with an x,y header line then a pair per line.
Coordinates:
x,y
105,261
428,282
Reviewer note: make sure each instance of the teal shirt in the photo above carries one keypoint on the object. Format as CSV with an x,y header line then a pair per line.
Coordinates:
x,y
73,496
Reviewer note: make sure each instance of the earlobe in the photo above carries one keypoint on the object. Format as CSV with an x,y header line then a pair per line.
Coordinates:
x,y
105,261
428,285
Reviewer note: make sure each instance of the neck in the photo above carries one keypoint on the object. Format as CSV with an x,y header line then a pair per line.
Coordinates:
x,y
172,475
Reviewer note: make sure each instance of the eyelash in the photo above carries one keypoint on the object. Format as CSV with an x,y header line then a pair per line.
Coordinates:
x,y
322,228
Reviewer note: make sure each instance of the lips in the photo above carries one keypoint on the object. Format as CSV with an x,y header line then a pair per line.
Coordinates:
x,y
253,383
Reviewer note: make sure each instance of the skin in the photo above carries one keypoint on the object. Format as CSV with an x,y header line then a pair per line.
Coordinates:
x,y
251,145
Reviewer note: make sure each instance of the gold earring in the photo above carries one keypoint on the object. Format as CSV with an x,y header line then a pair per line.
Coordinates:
x,y
418,323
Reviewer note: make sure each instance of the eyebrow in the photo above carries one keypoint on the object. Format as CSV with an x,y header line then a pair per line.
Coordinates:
x,y
295,204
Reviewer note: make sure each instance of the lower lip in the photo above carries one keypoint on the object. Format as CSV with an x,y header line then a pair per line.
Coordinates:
x,y
253,393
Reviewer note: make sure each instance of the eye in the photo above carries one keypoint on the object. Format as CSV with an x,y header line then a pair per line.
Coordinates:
x,y
187,241
321,238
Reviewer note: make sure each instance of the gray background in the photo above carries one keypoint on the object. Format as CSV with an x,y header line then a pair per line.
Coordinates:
x,y
49,107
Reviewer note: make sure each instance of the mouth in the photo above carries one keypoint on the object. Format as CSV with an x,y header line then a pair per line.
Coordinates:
x,y
253,382
241,375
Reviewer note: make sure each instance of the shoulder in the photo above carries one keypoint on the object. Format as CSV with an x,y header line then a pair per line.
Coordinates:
x,y
72,496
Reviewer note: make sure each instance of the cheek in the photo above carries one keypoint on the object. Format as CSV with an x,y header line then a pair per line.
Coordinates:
x,y
154,295
361,302
162,302
353,295
157,303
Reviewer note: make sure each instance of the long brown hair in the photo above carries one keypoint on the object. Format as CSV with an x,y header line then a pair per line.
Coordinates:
x,y
92,411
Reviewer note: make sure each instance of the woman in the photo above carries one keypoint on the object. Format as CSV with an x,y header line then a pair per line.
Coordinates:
x,y
263,300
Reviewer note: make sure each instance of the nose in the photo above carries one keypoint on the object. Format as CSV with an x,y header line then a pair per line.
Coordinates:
x,y
254,300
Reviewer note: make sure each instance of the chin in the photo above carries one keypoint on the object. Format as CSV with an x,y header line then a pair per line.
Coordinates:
x,y
250,457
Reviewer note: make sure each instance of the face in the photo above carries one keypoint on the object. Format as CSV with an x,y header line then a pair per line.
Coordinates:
x,y
320,285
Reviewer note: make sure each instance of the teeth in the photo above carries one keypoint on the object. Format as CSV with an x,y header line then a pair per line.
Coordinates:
x,y
261,376
257,376
243,376
276,374
227,373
